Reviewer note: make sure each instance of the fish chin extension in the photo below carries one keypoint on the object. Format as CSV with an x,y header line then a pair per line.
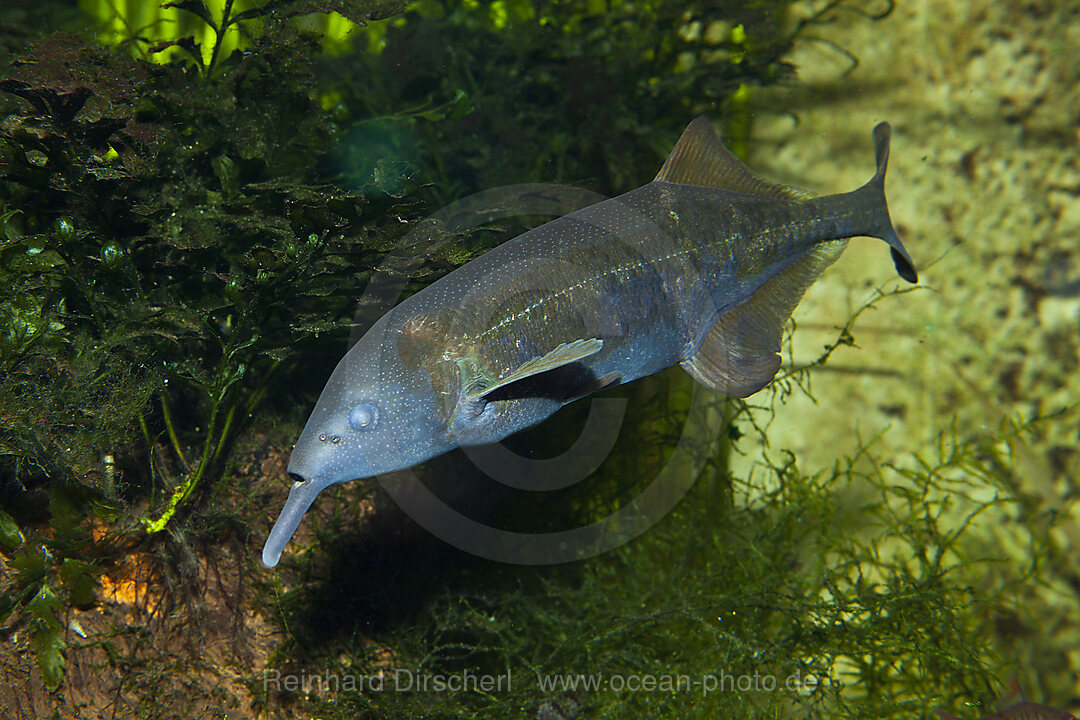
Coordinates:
x,y
301,496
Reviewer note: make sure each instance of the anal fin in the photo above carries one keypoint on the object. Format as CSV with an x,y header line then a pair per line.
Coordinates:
x,y
741,353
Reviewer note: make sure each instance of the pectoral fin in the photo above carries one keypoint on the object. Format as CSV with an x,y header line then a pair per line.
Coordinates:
x,y
562,355
607,380
741,353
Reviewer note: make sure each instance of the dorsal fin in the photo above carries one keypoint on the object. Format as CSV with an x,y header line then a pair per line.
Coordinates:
x,y
1016,693
700,158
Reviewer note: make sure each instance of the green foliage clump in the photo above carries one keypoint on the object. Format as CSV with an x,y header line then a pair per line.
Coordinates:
x,y
44,581
167,244
160,236
205,32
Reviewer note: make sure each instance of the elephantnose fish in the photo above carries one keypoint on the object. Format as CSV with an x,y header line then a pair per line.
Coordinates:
x,y
701,267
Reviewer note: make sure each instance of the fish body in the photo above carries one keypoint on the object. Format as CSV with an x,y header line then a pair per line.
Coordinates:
x,y
701,267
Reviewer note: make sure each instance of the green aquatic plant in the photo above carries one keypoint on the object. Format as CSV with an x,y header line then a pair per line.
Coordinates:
x,y
44,581
869,582
205,32
609,85
134,182
167,248
856,580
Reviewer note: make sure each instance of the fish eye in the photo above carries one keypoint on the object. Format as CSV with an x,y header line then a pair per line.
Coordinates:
x,y
363,417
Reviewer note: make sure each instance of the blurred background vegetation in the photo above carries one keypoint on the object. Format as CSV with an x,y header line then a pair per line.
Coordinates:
x,y
192,198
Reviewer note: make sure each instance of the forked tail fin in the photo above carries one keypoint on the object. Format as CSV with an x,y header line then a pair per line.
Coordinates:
x,y
904,265
740,353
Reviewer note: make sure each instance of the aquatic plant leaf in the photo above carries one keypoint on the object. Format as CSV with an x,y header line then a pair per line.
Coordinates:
x,y
66,505
68,80
45,608
31,565
188,45
48,646
195,7
228,174
456,107
8,603
46,641
62,106
10,534
80,581
358,11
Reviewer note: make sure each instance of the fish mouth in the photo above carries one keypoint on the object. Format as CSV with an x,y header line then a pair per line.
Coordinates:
x,y
301,496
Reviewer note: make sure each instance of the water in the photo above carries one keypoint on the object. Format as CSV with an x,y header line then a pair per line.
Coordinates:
x,y
883,534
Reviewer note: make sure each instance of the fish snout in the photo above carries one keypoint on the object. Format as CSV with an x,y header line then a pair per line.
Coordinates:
x,y
301,496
